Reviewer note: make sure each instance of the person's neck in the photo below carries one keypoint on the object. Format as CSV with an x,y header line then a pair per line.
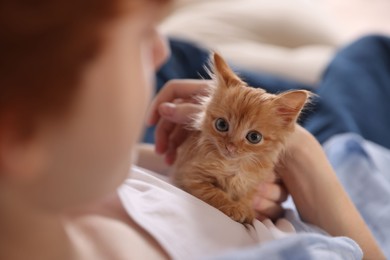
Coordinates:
x,y
29,233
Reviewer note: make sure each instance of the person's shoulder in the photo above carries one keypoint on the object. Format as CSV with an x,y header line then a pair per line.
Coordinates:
x,y
103,236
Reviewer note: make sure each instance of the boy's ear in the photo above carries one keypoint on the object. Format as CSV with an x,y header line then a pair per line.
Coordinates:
x,y
289,105
224,74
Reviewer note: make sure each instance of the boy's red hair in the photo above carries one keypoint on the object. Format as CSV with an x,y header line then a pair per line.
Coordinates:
x,y
44,48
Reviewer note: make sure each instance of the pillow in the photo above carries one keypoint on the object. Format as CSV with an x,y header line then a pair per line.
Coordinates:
x,y
288,38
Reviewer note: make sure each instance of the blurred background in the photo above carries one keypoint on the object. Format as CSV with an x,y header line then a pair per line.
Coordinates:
x,y
294,39
358,17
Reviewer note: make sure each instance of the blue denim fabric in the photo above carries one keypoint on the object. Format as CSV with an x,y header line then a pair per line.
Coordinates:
x,y
363,168
354,93
300,247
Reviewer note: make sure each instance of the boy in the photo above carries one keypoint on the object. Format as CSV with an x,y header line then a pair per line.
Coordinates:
x,y
76,79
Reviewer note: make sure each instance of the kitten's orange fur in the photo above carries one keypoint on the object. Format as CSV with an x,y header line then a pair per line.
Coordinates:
x,y
224,168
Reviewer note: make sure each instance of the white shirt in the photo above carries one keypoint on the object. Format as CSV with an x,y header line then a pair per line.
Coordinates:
x,y
185,226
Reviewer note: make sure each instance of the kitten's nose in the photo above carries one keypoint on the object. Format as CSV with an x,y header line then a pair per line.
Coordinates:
x,y
231,148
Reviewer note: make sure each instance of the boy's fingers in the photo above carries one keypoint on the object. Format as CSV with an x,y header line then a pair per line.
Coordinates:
x,y
179,113
273,178
175,89
170,132
162,133
285,226
260,216
170,156
176,138
272,191
268,208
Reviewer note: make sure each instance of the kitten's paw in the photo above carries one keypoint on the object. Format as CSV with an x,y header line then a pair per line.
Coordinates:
x,y
240,213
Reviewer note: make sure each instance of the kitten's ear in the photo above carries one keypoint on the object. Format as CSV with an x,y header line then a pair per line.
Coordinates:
x,y
290,104
224,74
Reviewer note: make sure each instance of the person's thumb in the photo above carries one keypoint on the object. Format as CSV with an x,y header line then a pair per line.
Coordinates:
x,y
178,113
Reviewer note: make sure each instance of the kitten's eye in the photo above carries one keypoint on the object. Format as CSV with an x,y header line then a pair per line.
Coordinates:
x,y
221,125
254,137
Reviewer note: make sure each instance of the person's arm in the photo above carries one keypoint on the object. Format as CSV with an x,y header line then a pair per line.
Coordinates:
x,y
319,196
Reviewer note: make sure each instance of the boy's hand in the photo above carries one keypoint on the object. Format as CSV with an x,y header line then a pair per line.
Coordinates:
x,y
171,110
268,199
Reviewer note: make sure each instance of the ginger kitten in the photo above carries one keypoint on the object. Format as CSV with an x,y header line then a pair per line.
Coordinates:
x,y
236,143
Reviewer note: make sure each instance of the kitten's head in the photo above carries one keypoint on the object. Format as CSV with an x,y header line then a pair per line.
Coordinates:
x,y
246,122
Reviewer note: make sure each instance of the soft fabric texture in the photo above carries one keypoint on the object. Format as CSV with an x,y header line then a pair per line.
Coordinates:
x,y
299,247
185,226
293,39
189,228
363,168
